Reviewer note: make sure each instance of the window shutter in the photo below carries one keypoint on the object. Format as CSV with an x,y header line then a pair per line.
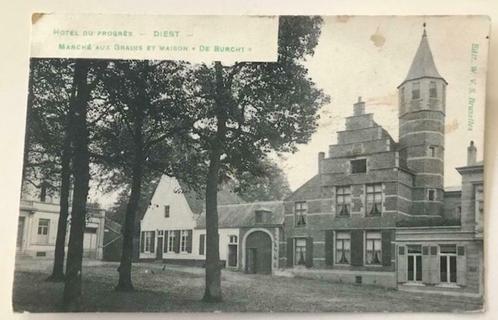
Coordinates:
x,y
309,252
290,252
357,247
153,242
142,242
461,266
202,239
329,247
386,247
402,264
177,241
426,263
165,245
189,241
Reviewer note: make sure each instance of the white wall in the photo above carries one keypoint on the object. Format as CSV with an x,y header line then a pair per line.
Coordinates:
x,y
181,217
225,234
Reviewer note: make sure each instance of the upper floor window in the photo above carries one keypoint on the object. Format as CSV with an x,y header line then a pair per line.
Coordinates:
x,y
166,211
43,227
432,89
43,192
300,210
359,166
432,151
431,195
416,90
259,216
343,200
373,245
374,199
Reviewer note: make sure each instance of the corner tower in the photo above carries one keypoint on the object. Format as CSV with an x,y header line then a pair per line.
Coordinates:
x,y
422,105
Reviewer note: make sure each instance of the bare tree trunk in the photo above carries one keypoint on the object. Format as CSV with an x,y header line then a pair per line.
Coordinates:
x,y
125,283
81,168
60,242
212,292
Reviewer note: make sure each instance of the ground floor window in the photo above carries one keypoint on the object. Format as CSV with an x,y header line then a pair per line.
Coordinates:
x,y
300,251
414,271
171,241
373,252
343,247
448,263
43,225
183,240
149,241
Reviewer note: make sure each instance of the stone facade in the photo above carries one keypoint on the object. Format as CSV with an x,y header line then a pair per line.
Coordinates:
x,y
376,212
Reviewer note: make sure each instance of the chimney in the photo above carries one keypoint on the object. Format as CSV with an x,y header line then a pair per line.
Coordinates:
x,y
359,107
471,154
321,156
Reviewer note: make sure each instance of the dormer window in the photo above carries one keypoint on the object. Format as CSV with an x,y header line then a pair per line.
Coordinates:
x,y
416,90
432,89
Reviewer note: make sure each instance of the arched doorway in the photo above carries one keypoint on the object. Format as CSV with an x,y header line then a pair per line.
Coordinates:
x,y
258,256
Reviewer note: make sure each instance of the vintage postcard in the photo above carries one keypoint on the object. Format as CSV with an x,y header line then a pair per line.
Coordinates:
x,y
253,164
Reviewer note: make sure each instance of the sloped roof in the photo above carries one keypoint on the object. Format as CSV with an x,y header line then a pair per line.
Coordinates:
x,y
196,200
423,63
243,215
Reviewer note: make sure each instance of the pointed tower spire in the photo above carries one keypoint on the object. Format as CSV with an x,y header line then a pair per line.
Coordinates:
x,y
423,65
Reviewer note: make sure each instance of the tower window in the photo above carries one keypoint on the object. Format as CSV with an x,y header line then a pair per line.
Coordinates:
x,y
359,166
431,194
416,90
432,89
432,151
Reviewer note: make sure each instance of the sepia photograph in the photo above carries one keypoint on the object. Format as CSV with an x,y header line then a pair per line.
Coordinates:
x,y
344,175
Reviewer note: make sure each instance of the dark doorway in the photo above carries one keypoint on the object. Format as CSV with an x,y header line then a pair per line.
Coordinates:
x,y
232,255
258,253
159,252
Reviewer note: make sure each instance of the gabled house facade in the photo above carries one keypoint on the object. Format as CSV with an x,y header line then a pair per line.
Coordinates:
x,y
377,212
173,230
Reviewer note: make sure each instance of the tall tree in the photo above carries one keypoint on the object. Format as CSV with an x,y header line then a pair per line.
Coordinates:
x,y
270,183
147,108
81,173
46,155
247,110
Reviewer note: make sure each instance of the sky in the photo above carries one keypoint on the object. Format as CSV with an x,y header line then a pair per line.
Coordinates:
x,y
369,57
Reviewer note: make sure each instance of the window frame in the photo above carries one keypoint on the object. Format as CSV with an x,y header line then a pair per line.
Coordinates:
x,y
148,241
374,247
183,241
167,211
171,241
433,191
416,90
362,160
302,251
300,212
374,193
432,89
343,241
343,199
447,256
